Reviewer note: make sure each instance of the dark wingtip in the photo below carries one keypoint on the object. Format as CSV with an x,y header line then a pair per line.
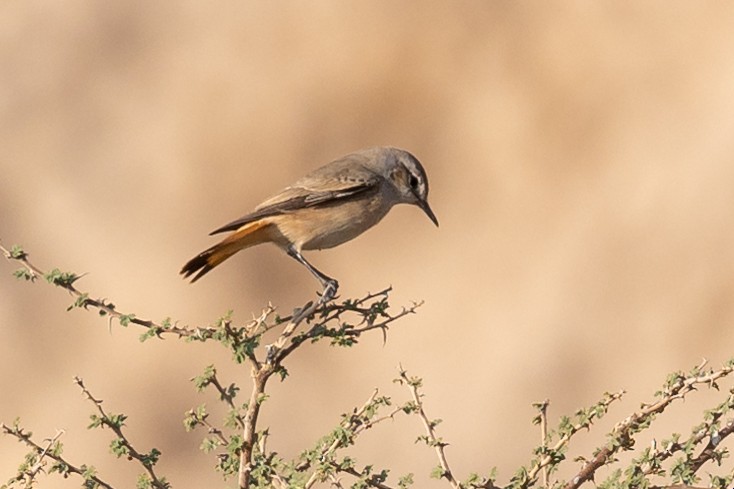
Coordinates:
x,y
198,265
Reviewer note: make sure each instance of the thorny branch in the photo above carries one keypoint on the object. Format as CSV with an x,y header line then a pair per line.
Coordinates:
x,y
286,343
548,458
371,311
622,434
115,423
543,421
708,451
106,308
353,424
330,320
430,426
659,454
61,464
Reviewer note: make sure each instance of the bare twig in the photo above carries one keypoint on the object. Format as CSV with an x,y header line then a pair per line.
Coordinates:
x,y
354,424
84,300
430,427
47,452
543,411
623,432
116,427
275,350
709,450
314,331
549,454
259,379
660,454
38,466
213,430
336,481
354,472
227,398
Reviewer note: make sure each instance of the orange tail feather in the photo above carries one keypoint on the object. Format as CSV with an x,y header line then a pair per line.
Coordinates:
x,y
249,235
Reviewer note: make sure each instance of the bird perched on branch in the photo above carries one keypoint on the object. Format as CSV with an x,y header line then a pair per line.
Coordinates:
x,y
325,208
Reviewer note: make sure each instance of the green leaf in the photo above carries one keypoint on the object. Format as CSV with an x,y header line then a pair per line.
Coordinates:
x,y
62,468
17,253
125,319
116,420
144,482
209,444
119,448
437,472
24,274
88,471
82,301
194,417
282,372
61,279
151,458
203,380
96,421
405,481
152,332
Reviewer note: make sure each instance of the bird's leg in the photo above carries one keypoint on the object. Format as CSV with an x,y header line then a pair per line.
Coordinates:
x,y
329,284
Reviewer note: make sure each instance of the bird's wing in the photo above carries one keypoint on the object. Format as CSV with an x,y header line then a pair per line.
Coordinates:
x,y
335,182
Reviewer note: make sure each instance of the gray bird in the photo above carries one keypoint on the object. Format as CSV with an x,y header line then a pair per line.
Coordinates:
x,y
325,208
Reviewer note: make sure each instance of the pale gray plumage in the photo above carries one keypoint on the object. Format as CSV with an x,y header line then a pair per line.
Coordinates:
x,y
327,207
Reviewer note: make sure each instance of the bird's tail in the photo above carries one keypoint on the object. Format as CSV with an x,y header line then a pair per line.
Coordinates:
x,y
249,235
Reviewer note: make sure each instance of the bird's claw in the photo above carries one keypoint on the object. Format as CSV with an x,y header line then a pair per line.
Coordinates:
x,y
329,291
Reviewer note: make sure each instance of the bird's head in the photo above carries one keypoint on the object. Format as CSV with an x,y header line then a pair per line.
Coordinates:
x,y
409,179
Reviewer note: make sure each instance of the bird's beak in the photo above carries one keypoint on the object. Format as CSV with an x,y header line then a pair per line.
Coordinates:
x,y
423,204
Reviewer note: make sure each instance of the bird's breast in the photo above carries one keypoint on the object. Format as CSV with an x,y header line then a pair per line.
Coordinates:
x,y
329,226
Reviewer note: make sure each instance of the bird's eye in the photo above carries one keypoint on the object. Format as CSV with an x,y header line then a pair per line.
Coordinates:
x,y
413,182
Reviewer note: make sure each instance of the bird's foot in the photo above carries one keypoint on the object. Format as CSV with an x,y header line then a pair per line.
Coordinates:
x,y
329,292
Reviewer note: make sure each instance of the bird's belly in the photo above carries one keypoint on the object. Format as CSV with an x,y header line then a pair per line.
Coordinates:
x,y
326,227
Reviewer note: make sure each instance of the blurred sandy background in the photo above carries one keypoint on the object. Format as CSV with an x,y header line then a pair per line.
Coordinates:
x,y
581,160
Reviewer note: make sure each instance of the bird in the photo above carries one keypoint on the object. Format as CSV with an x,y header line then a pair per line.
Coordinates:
x,y
327,207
